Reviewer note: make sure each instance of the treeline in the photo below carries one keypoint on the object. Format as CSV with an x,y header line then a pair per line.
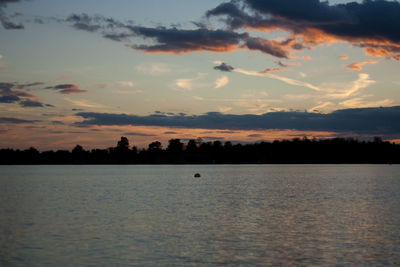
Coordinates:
x,y
337,150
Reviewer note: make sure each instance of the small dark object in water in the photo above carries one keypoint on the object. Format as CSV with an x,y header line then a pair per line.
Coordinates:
x,y
197,175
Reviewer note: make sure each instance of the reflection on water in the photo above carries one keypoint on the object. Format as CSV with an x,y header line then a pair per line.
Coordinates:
x,y
232,215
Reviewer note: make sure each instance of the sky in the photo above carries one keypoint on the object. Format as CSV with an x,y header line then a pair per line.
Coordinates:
x,y
90,71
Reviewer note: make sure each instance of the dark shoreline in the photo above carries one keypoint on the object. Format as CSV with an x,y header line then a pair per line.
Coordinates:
x,y
295,151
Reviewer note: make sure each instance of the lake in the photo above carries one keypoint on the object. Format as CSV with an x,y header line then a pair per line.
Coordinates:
x,y
233,215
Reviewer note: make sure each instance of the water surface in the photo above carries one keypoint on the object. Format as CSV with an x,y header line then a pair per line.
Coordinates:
x,y
245,215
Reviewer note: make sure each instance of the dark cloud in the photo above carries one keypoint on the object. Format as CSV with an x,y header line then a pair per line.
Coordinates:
x,y
30,103
9,25
8,94
212,138
170,132
227,131
182,41
15,120
361,120
372,24
139,134
67,88
6,87
84,22
224,67
255,135
38,21
9,99
174,40
57,123
93,23
235,15
77,109
4,20
281,64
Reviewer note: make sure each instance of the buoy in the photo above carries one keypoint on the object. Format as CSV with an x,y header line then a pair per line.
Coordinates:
x,y
197,175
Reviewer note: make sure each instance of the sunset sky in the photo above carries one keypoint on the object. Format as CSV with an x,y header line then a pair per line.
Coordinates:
x,y
90,71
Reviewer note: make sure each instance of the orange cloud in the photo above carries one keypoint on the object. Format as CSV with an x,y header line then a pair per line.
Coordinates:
x,y
359,65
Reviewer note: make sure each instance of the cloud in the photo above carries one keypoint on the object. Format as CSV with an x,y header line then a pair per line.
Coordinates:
x,y
359,65
139,134
15,120
8,95
154,69
359,120
344,57
83,103
188,84
270,47
125,84
221,82
9,99
85,22
224,67
23,86
30,103
67,88
266,73
360,102
255,135
371,25
178,41
4,20
363,81
321,106
268,70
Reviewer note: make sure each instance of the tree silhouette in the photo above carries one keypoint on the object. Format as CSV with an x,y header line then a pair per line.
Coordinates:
x,y
122,151
155,146
123,144
297,150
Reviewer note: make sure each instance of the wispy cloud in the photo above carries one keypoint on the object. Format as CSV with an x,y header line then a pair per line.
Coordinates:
x,y
224,109
125,84
188,84
83,103
363,81
154,68
287,80
221,82
266,73
361,102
